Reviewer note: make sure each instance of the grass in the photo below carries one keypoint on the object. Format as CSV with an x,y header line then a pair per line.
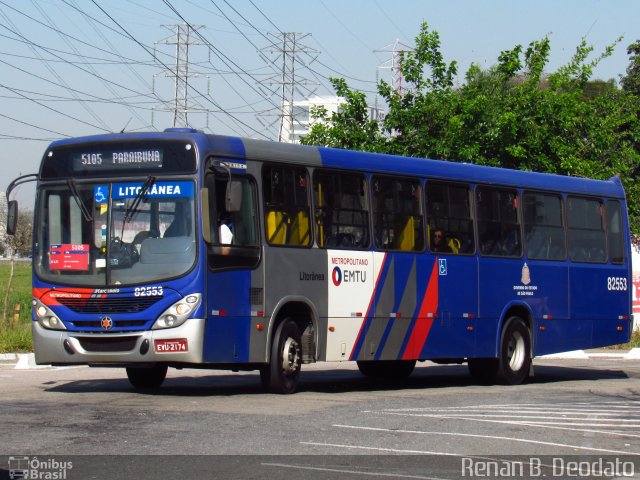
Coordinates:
x,y
16,336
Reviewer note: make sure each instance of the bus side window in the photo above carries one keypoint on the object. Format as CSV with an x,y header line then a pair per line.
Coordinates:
x,y
341,209
238,228
397,214
587,241
498,222
450,218
615,231
286,205
543,226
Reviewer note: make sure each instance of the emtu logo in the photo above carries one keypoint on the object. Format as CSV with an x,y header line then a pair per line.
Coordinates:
x,y
336,276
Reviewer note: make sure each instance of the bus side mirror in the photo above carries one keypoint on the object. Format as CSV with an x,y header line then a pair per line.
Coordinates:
x,y
12,217
233,197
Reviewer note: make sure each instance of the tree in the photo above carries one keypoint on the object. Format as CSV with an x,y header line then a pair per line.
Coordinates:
x,y
631,81
20,244
512,115
350,127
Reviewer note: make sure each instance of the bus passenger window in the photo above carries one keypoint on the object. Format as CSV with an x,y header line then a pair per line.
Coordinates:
x,y
498,222
286,205
450,218
397,214
615,231
341,210
543,226
587,242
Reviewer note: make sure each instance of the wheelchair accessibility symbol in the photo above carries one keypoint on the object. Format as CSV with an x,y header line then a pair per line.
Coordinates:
x,y
100,193
442,266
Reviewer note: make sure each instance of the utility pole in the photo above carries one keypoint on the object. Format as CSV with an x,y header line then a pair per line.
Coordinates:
x,y
183,38
291,53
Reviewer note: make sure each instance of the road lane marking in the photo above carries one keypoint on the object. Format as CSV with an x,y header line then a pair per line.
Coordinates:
x,y
511,439
379,449
339,470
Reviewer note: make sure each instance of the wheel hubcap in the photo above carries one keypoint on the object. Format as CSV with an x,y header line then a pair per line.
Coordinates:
x,y
290,356
516,352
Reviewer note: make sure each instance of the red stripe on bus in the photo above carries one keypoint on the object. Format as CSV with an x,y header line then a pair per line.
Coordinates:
x,y
423,323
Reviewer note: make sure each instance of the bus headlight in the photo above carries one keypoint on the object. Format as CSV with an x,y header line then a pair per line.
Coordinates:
x,y
178,313
46,318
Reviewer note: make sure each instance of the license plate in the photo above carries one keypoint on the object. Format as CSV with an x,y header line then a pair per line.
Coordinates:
x,y
172,345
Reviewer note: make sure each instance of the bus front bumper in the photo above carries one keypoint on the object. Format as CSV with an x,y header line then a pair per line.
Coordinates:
x,y
181,344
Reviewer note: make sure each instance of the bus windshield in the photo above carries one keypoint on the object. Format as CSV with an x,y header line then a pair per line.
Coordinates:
x,y
115,233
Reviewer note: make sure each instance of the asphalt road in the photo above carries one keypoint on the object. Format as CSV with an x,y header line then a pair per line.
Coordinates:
x,y
206,424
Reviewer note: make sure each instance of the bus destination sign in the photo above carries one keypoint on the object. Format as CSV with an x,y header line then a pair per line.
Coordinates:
x,y
117,160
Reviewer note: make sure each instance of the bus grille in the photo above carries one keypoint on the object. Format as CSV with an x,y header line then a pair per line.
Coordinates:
x,y
117,324
108,344
109,304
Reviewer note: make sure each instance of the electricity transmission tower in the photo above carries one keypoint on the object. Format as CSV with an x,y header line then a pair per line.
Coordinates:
x,y
397,50
292,55
184,36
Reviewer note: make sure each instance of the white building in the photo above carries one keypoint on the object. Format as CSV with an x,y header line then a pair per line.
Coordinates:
x,y
301,120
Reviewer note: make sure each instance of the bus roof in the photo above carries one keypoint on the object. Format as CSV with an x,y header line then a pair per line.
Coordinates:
x,y
242,148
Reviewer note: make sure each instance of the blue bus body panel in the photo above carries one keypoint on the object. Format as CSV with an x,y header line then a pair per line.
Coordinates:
x,y
85,312
227,332
453,332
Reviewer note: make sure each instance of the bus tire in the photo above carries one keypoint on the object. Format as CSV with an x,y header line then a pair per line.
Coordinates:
x,y
483,370
147,377
388,369
515,353
283,371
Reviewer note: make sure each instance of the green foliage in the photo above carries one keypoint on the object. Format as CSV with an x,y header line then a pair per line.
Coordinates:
x,y
16,337
512,115
350,127
631,81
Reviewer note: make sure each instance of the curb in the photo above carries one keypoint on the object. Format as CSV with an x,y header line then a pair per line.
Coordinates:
x,y
633,354
27,361
8,358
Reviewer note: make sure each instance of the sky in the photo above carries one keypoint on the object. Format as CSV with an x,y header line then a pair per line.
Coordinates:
x,y
78,67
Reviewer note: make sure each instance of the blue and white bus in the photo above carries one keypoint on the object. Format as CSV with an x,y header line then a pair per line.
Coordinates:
x,y
184,249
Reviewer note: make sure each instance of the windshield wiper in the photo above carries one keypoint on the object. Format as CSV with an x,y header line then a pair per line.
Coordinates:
x,y
76,196
133,208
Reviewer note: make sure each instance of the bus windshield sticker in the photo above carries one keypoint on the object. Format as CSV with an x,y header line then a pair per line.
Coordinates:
x,y
69,256
101,194
158,189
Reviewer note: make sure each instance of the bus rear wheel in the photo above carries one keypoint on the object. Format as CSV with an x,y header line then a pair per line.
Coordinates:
x,y
147,377
283,371
388,369
515,353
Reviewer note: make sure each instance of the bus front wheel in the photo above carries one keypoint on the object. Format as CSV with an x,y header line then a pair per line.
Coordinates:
x,y
147,377
283,371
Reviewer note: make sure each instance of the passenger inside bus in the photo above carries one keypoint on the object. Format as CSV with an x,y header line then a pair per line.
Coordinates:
x,y
439,242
